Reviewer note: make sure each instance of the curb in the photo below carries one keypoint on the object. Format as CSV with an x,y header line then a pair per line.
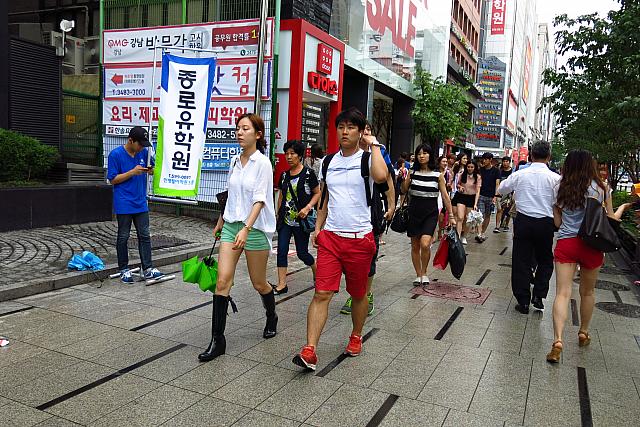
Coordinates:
x,y
65,280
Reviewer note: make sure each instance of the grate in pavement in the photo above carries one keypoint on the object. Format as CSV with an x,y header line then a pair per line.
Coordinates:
x,y
451,291
620,308
159,242
607,285
504,265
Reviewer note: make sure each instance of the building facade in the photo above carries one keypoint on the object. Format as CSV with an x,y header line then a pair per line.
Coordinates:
x,y
385,40
464,47
509,34
545,58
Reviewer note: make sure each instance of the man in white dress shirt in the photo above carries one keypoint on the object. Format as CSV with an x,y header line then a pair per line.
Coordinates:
x,y
535,188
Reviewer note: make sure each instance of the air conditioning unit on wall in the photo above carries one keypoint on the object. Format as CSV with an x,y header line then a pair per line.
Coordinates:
x,y
92,55
73,54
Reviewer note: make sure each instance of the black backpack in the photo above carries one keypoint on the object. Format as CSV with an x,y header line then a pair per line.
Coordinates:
x,y
374,201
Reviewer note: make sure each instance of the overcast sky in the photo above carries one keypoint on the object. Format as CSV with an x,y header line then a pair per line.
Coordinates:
x,y
549,9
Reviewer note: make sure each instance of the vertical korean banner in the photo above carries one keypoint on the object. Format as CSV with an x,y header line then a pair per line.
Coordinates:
x,y
498,11
186,85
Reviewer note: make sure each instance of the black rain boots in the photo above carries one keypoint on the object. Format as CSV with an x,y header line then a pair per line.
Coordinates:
x,y
218,344
269,303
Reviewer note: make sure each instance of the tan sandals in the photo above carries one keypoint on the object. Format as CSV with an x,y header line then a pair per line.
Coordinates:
x,y
556,351
584,339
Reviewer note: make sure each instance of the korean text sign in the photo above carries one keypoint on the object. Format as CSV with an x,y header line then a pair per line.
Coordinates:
x,y
498,9
182,124
230,40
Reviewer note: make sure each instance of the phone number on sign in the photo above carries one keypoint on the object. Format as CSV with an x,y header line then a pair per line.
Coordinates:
x,y
221,134
128,92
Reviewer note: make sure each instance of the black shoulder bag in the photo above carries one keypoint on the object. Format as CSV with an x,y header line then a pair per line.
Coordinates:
x,y
598,230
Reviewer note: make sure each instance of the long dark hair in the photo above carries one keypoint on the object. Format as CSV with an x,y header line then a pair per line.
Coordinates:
x,y
258,126
465,173
456,167
431,163
578,172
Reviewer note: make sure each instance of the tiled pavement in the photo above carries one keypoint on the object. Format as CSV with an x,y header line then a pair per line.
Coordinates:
x,y
40,253
126,355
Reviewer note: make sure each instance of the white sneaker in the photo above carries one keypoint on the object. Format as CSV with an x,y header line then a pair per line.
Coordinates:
x,y
464,240
425,280
417,281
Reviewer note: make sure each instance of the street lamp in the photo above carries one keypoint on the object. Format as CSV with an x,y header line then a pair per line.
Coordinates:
x,y
66,26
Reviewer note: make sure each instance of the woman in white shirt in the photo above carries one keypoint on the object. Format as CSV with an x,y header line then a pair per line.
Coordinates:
x,y
247,224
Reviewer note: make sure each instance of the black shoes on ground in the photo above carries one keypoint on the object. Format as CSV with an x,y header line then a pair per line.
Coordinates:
x,y
537,303
281,291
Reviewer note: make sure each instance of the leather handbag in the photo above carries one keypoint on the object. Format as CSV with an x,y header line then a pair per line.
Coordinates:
x,y
598,230
400,220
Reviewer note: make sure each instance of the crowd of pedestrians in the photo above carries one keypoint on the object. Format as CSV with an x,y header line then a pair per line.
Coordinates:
x,y
342,202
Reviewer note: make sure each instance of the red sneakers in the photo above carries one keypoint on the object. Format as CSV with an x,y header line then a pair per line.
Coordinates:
x,y
306,358
354,348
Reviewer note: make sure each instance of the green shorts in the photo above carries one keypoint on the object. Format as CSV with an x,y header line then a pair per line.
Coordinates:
x,y
256,240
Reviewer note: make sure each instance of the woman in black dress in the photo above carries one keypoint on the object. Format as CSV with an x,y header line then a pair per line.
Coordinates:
x,y
424,184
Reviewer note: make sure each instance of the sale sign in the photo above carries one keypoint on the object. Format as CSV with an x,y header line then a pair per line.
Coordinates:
x,y
498,9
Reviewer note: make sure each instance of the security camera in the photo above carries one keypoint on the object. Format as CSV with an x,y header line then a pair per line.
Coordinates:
x,y
67,26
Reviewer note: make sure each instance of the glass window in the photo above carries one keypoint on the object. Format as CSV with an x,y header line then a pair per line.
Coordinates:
x,y
389,51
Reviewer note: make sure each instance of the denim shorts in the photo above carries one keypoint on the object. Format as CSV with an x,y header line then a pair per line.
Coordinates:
x,y
256,240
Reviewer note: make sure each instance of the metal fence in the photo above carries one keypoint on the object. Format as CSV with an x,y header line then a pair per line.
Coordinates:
x,y
120,14
149,13
81,129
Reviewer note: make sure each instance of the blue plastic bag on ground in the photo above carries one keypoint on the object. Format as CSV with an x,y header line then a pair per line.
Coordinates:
x,y
86,261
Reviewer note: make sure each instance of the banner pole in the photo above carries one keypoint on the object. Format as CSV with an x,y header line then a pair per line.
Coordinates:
x,y
260,65
153,86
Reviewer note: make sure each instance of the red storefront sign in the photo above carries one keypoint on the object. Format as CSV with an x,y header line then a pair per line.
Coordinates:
x,y
235,36
324,64
498,9
322,83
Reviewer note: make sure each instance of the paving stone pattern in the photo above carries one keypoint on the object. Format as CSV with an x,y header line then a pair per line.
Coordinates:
x,y
127,354
42,252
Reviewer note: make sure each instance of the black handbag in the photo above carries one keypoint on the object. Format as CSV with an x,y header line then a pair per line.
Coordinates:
x,y
598,230
400,220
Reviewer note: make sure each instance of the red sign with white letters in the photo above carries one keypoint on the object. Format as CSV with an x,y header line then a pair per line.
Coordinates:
x,y
325,59
322,83
497,16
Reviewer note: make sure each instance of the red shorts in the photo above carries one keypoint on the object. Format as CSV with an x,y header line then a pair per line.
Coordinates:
x,y
338,254
574,251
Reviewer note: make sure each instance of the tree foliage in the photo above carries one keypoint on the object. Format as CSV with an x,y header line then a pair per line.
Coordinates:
x,y
440,109
23,158
596,98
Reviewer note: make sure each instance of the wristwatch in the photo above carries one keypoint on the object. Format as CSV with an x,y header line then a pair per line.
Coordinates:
x,y
249,228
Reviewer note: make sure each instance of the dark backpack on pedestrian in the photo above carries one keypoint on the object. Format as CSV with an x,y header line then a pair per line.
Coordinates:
x,y
374,198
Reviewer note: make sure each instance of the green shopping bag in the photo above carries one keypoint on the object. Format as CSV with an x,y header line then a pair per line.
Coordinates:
x,y
203,272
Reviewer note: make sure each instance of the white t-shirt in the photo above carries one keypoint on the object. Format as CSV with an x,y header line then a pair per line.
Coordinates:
x,y
347,201
248,185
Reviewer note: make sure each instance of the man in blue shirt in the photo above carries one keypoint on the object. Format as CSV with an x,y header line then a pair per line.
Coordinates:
x,y
127,172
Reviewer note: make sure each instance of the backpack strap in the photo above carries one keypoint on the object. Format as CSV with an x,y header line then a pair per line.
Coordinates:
x,y
323,172
364,172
